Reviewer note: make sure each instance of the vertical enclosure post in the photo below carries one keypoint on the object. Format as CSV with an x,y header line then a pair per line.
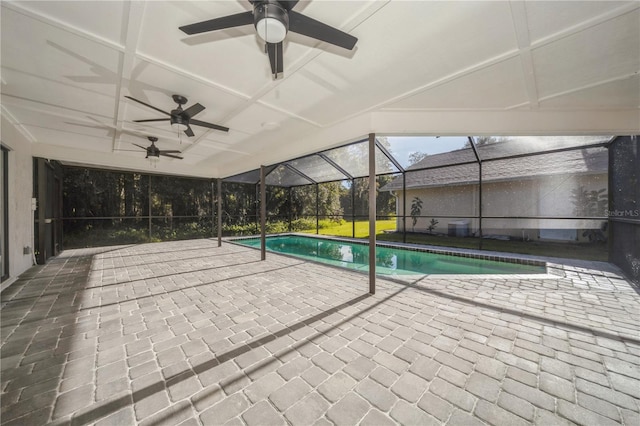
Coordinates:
x,y
317,209
149,202
353,208
290,207
479,160
372,213
404,207
480,201
263,213
610,199
213,207
42,211
256,210
219,212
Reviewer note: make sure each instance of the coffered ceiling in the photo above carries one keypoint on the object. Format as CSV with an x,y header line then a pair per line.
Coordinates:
x,y
419,67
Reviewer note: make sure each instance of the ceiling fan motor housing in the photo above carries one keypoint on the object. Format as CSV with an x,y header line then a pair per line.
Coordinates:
x,y
153,151
266,16
178,119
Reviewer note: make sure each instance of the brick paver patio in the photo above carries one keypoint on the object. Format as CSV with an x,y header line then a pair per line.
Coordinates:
x,y
190,333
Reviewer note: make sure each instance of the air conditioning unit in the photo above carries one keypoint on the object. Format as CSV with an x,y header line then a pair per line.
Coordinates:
x,y
459,228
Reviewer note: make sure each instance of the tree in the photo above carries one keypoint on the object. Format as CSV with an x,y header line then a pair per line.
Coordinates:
x,y
303,200
432,225
99,193
591,203
385,201
483,140
238,202
416,209
416,157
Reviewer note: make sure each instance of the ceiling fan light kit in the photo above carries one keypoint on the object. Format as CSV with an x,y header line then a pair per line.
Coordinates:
x,y
153,160
271,22
178,124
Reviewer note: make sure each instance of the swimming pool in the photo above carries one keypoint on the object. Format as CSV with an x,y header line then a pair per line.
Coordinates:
x,y
390,260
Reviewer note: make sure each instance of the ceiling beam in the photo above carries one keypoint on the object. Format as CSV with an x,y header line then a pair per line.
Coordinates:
x,y
132,22
521,27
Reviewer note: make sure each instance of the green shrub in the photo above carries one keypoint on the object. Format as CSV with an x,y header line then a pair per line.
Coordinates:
x,y
330,223
239,230
274,227
303,224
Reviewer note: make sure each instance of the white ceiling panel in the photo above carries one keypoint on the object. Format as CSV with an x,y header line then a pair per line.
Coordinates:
x,y
496,87
550,17
265,145
63,138
597,54
79,124
388,64
620,94
103,19
64,97
259,119
418,66
62,57
208,148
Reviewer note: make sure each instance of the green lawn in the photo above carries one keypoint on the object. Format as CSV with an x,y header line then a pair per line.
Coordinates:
x,y
362,228
584,251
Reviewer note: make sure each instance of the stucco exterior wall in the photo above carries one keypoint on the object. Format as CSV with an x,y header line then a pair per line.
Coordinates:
x,y
437,202
20,184
546,196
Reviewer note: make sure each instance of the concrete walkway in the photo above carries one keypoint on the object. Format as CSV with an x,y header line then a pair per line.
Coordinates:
x,y
187,333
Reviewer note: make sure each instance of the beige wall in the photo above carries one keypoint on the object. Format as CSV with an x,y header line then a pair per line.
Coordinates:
x,y
20,193
459,200
548,196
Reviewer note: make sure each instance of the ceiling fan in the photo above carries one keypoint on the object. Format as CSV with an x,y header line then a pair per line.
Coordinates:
x,y
272,20
154,153
181,119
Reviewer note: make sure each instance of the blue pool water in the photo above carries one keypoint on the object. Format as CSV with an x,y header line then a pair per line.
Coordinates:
x,y
389,260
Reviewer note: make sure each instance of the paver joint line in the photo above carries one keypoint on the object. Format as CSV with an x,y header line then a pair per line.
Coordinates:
x,y
265,342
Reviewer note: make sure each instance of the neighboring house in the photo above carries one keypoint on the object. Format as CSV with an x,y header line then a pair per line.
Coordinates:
x,y
532,197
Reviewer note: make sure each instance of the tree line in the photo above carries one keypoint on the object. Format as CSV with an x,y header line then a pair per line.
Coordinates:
x,y
94,193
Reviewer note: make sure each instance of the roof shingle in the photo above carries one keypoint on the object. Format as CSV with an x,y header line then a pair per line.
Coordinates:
x,y
576,162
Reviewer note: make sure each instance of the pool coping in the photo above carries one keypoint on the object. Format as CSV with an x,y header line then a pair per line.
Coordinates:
x,y
449,251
